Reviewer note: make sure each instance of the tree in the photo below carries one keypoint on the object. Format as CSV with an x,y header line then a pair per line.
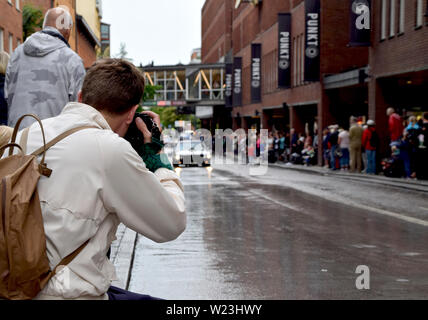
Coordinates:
x,y
123,54
32,20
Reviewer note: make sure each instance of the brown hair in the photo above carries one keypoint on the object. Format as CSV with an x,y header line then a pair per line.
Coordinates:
x,y
113,85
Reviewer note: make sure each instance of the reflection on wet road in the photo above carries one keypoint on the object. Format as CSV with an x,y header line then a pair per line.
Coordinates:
x,y
247,240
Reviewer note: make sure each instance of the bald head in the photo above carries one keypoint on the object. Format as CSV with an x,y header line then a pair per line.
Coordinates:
x,y
390,111
60,19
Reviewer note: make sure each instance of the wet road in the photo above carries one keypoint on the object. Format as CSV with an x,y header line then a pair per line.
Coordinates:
x,y
261,239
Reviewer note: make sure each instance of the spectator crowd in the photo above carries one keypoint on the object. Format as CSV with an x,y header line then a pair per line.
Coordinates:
x,y
357,149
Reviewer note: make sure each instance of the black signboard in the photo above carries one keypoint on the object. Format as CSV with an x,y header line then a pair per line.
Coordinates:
x,y
256,73
228,92
312,40
284,50
237,82
360,18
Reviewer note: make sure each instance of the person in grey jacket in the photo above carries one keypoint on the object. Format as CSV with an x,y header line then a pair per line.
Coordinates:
x,y
44,74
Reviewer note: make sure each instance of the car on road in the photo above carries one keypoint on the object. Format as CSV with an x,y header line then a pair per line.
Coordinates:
x,y
192,153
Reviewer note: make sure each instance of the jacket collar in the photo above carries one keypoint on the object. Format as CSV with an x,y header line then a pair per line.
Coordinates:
x,y
87,112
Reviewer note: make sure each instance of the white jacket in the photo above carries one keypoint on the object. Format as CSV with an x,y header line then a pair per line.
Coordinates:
x,y
98,181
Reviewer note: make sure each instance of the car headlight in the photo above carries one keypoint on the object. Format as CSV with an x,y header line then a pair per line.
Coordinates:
x,y
208,156
177,157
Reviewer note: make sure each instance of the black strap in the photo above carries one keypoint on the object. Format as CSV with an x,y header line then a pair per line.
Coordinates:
x,y
56,35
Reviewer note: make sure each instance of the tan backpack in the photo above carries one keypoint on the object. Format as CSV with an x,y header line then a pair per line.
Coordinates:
x,y
24,265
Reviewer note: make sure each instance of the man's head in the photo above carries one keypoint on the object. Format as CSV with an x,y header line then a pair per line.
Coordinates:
x,y
390,111
115,88
60,19
425,117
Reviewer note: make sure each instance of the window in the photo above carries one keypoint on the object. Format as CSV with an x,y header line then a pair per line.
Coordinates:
x,y
294,62
10,1
10,44
392,18
17,4
419,13
401,24
383,21
1,40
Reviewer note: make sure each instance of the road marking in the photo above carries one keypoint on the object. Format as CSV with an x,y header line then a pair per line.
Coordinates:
x,y
294,208
402,217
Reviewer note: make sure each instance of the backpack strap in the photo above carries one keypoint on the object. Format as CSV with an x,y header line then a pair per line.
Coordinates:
x,y
15,133
64,262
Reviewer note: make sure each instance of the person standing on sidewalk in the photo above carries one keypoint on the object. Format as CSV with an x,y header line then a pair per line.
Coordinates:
x,y
422,161
396,127
334,143
44,74
370,144
355,144
344,145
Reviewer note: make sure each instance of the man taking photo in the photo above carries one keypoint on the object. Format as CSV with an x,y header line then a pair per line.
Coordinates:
x,y
99,181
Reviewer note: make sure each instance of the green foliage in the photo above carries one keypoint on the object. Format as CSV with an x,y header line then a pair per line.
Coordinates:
x,y
150,91
169,115
32,20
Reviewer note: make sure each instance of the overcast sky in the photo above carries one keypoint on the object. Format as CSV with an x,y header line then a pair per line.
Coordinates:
x,y
163,31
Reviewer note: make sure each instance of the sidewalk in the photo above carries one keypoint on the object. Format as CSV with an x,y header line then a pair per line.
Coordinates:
x,y
395,182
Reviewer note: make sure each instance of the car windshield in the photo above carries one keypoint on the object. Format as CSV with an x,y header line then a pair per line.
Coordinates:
x,y
190,146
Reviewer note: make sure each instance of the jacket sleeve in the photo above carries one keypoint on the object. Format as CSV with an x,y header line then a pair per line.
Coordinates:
x,y
150,204
77,72
10,77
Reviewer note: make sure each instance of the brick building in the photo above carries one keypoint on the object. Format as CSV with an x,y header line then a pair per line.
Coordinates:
x,y
398,60
303,105
10,24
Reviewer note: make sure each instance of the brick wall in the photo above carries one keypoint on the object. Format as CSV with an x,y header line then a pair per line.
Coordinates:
x,y
216,30
86,51
10,23
401,53
335,39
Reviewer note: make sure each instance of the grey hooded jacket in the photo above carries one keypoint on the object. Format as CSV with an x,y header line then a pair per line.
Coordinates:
x,y
43,75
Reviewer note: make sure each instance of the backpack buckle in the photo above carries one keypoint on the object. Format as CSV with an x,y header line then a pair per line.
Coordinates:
x,y
44,170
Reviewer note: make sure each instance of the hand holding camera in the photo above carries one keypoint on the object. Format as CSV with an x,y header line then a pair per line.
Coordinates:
x,y
145,129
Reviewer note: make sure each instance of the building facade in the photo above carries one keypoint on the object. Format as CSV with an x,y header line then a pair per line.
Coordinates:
x,y
303,103
398,60
10,25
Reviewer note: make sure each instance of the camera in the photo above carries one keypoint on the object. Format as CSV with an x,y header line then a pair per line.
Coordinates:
x,y
136,138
